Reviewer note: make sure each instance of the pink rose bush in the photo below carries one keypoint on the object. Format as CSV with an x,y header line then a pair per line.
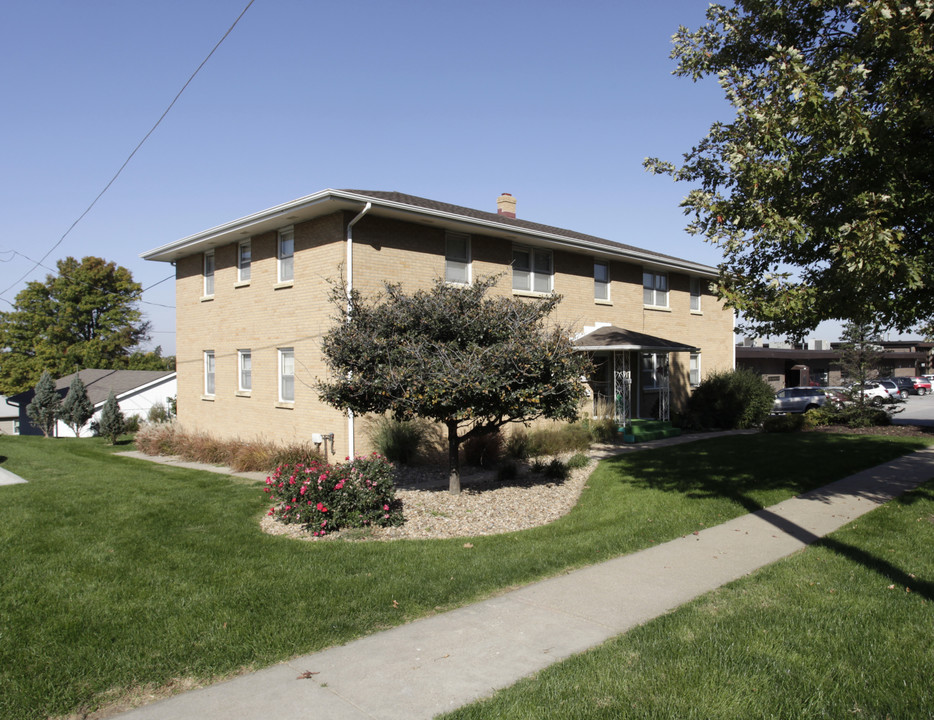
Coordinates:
x,y
325,498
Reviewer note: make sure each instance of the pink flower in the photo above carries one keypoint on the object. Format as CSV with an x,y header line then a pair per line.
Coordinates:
x,y
386,507
321,507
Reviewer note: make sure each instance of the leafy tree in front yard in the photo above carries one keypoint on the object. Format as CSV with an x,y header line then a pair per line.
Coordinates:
x,y
77,408
456,355
85,316
820,190
43,410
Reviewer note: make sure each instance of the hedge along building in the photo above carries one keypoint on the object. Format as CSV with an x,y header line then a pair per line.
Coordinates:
x,y
252,305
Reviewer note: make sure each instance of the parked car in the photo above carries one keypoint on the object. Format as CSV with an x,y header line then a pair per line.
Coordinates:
x,y
876,393
922,385
798,399
905,386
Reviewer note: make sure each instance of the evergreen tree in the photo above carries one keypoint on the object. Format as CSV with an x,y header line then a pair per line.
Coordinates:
x,y
112,421
43,410
77,408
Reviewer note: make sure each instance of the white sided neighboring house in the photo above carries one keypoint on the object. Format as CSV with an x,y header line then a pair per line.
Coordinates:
x,y
136,391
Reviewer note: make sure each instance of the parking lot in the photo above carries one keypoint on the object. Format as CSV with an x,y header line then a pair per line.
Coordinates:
x,y
917,411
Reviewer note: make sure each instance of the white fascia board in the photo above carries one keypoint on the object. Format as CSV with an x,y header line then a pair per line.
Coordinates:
x,y
641,348
336,199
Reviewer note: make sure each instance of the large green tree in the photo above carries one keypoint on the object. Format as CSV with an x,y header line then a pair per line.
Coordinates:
x,y
820,191
85,316
460,356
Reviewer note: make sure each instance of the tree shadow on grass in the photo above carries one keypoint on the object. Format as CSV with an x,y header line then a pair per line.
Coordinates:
x,y
733,472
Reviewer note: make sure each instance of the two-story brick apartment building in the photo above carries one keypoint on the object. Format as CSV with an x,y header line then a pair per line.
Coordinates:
x,y
252,305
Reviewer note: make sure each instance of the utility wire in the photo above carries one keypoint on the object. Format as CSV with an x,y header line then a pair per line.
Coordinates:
x,y
90,285
127,161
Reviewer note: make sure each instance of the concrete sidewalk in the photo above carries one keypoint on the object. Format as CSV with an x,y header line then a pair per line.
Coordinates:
x,y
442,662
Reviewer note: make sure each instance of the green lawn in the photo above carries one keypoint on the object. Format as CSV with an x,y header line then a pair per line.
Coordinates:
x,y
119,574
844,629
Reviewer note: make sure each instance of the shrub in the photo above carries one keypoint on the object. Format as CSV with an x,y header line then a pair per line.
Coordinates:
x,y
517,444
729,400
852,415
326,498
397,440
558,439
483,450
239,455
158,414
131,424
578,460
602,430
783,423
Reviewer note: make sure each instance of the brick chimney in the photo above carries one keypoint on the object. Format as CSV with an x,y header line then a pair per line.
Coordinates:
x,y
506,205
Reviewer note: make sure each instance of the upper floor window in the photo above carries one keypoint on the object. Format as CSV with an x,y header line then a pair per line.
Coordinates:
x,y
244,260
696,292
209,272
286,375
532,270
601,281
285,254
655,288
245,363
208,372
457,258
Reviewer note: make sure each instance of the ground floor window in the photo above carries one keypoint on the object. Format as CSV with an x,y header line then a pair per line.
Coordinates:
x,y
286,375
695,369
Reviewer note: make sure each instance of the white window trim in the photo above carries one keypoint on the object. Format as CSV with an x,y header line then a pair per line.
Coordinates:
x,y
697,284
207,288
210,372
248,243
531,289
690,380
287,232
282,352
468,261
241,354
655,291
596,283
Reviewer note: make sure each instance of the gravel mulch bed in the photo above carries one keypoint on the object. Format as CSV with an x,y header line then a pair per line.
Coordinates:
x,y
485,506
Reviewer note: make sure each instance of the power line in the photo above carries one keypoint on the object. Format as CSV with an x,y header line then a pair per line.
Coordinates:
x,y
135,150
90,285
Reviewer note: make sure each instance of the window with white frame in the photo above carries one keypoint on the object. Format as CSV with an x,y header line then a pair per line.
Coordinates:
x,y
245,370
601,281
532,270
695,369
655,288
696,292
457,258
286,254
244,260
654,367
209,273
286,375
208,372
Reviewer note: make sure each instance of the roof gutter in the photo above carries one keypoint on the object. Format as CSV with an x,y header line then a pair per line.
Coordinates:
x,y
359,216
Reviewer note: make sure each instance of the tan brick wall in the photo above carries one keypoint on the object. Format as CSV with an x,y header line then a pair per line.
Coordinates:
x,y
263,316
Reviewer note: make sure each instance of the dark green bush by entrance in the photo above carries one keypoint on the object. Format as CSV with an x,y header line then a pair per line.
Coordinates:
x,y
730,400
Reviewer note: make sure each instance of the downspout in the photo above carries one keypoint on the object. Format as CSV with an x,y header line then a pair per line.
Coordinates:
x,y
366,209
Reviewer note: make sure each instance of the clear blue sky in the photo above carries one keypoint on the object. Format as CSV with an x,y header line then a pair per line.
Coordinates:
x,y
557,103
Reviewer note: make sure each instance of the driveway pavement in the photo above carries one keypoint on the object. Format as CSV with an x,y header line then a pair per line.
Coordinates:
x,y
443,662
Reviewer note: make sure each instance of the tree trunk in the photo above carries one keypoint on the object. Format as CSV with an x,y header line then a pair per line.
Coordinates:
x,y
454,464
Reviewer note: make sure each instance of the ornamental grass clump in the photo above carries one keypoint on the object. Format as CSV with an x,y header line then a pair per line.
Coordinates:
x,y
325,498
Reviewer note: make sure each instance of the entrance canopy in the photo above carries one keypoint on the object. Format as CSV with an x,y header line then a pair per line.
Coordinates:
x,y
614,338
